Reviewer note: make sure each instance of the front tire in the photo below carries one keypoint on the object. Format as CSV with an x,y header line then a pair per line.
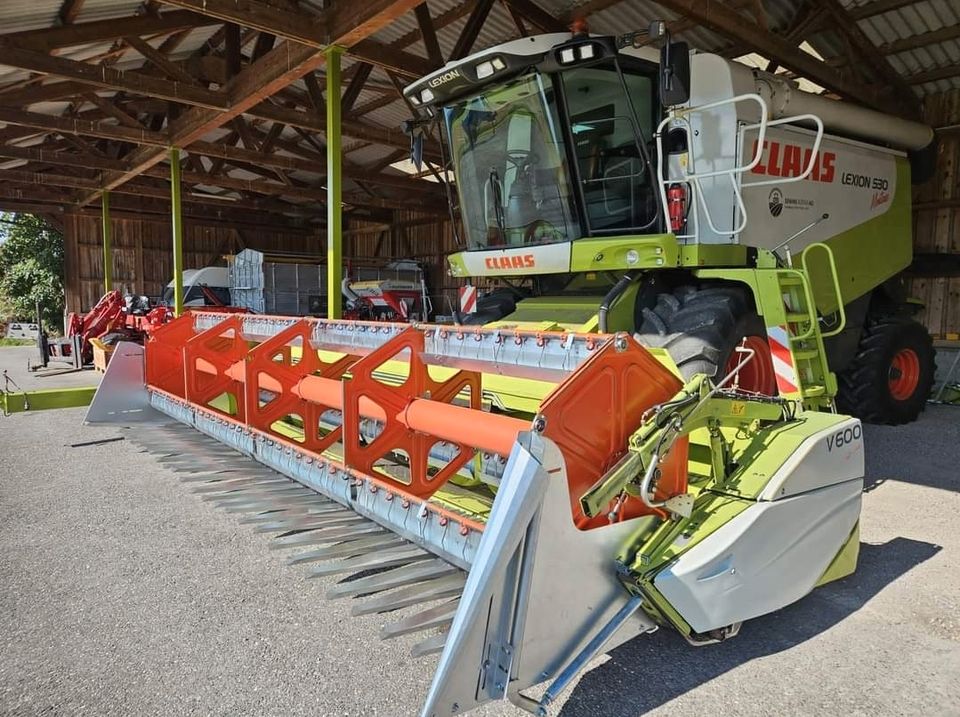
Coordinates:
x,y
702,328
890,378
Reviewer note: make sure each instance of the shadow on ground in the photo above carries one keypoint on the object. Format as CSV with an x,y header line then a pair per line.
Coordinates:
x,y
903,453
672,667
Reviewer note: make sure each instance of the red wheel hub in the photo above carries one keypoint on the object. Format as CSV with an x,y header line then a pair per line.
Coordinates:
x,y
757,375
904,376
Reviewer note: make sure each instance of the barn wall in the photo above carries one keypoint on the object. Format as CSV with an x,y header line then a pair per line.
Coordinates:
x,y
937,223
142,252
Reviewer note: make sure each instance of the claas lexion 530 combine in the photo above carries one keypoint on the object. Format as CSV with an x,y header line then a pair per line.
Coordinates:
x,y
640,432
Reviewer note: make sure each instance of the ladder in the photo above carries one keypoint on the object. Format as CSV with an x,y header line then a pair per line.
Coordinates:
x,y
795,334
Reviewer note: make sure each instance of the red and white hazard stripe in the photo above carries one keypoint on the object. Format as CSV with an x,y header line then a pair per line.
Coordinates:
x,y
468,299
783,366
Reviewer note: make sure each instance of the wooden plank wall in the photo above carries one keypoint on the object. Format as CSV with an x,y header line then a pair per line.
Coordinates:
x,y
142,252
937,220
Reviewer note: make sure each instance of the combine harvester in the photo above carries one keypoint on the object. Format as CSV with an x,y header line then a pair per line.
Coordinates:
x,y
647,440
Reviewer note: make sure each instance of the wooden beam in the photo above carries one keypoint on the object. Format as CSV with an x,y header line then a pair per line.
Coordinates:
x,y
471,29
878,7
309,29
232,49
390,58
355,87
58,158
69,11
21,207
85,33
870,57
938,73
716,16
429,34
48,92
87,128
280,67
315,93
538,16
111,110
159,60
306,29
944,34
109,78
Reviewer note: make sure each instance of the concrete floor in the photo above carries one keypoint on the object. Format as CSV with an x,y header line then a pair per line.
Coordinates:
x,y
122,593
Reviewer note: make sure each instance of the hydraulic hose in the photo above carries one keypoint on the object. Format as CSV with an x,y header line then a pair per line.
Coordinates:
x,y
612,296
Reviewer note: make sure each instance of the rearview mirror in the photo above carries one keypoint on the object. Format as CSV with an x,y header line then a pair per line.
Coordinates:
x,y
674,74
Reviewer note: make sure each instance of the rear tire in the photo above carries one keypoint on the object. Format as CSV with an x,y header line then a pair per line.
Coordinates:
x,y
701,329
890,378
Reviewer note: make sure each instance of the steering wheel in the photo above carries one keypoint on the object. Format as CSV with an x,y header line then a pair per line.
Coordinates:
x,y
538,231
520,157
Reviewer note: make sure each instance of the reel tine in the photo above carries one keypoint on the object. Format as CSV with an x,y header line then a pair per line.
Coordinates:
x,y
399,577
447,586
348,548
437,616
381,559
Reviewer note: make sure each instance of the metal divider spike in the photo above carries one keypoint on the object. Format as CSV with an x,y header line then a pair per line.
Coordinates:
x,y
308,522
229,484
325,535
247,505
443,587
437,616
347,549
431,646
332,510
382,559
399,577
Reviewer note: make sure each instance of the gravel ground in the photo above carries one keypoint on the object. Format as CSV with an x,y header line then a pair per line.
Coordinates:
x,y
122,593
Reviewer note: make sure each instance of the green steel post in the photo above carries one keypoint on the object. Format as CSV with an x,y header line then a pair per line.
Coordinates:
x,y
177,217
107,236
334,187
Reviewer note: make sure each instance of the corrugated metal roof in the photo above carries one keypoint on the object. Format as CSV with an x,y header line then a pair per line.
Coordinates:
x,y
913,21
895,26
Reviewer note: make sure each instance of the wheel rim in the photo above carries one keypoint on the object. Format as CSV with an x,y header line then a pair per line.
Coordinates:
x,y
904,376
757,375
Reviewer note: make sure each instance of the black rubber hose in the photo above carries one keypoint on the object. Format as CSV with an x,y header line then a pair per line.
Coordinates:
x,y
612,296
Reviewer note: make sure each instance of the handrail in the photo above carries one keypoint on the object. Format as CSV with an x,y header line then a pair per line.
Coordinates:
x,y
811,304
836,284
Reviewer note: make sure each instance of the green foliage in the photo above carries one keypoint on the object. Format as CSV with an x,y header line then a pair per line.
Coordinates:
x,y
31,269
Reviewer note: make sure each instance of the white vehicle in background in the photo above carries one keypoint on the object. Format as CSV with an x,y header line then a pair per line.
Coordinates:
x,y
21,330
209,286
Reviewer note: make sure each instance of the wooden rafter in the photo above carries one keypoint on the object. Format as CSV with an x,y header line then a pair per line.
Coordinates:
x,y
106,30
69,11
109,78
429,34
537,15
308,30
869,56
471,29
878,7
345,26
721,19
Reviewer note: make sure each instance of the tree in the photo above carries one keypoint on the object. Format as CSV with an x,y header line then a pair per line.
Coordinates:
x,y
31,269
